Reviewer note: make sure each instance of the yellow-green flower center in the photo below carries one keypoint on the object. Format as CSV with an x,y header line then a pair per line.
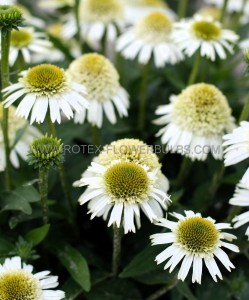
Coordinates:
x,y
132,150
19,285
46,79
21,38
202,109
97,74
126,182
197,235
154,28
206,30
101,11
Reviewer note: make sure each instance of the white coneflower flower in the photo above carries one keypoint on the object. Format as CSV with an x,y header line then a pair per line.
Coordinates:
x,y
194,239
241,198
195,121
237,148
244,44
206,35
101,80
55,4
210,11
29,18
19,144
7,2
18,282
101,17
118,191
152,35
232,5
135,151
27,42
136,9
44,87
132,150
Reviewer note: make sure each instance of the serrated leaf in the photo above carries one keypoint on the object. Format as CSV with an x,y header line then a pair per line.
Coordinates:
x,y
36,236
76,265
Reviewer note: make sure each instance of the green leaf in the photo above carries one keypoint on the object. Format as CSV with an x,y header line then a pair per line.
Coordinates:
x,y
72,289
5,246
143,263
36,236
14,201
183,289
20,198
76,265
114,289
29,193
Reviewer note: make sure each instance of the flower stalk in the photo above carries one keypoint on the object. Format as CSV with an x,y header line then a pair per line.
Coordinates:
x,y
195,69
117,237
182,7
43,189
223,11
5,42
143,98
62,173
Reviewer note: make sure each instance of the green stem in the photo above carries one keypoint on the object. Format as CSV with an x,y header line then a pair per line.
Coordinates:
x,y
19,64
195,69
233,212
77,20
117,237
216,181
62,173
182,7
239,15
96,135
184,171
5,45
159,293
223,11
245,111
143,98
43,188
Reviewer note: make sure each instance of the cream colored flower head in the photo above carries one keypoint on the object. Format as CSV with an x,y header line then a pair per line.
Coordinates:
x,y
210,11
195,121
19,143
236,148
104,92
132,150
26,42
136,9
100,17
17,281
51,5
152,36
203,34
46,87
194,240
118,191
241,198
